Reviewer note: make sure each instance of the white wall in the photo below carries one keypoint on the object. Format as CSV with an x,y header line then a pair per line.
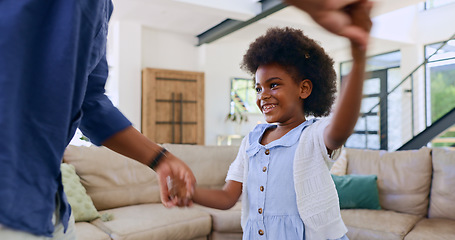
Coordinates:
x,y
124,58
141,47
161,49
219,61
223,60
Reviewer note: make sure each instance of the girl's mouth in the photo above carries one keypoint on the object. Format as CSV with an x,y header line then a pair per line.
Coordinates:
x,y
268,108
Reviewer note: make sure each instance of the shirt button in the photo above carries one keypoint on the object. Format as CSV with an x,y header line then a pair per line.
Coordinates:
x,y
261,232
264,169
261,188
260,210
267,152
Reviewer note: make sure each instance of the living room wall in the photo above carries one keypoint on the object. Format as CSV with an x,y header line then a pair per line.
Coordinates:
x,y
134,47
219,61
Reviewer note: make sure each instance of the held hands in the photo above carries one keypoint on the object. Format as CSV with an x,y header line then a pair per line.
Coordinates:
x,y
332,15
131,143
176,182
178,192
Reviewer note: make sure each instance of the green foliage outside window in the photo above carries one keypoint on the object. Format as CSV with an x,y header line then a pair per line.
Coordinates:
x,y
442,91
442,97
441,69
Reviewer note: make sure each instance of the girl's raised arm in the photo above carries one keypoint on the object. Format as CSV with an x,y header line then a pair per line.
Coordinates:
x,y
347,109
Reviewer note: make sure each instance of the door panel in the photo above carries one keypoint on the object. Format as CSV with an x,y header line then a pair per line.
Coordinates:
x,y
173,106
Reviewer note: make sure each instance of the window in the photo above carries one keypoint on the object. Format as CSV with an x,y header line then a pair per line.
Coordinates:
x,y
440,78
243,96
376,126
440,83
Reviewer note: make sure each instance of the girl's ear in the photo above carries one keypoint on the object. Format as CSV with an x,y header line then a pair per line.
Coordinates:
x,y
306,86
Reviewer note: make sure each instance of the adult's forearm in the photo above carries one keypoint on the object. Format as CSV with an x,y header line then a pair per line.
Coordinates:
x,y
131,143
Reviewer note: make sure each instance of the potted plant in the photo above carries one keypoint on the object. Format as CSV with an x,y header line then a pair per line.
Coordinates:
x,y
237,118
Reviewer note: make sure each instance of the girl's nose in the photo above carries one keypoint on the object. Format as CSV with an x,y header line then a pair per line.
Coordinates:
x,y
264,95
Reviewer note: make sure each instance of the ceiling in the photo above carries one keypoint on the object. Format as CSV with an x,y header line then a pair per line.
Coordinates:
x,y
194,17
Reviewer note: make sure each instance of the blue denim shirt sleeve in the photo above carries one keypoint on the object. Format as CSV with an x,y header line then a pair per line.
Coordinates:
x,y
52,74
100,119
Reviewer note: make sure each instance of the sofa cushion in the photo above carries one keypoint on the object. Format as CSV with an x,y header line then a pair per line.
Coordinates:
x,y
155,222
434,228
227,221
85,230
208,163
81,204
404,177
112,180
377,224
442,204
357,191
339,167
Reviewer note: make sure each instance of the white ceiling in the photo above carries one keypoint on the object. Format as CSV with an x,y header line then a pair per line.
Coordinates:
x,y
194,17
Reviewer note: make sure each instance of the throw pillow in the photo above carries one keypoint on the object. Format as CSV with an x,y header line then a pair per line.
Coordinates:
x,y
113,180
357,191
81,204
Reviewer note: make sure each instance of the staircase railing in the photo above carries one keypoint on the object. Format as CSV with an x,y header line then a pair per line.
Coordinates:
x,y
408,109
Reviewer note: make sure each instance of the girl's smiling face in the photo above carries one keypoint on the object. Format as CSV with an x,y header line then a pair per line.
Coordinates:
x,y
279,97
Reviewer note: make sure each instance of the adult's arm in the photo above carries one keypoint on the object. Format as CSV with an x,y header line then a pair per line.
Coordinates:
x,y
105,125
131,143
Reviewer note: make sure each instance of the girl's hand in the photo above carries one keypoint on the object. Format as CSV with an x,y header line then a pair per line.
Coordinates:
x,y
183,181
360,15
332,15
178,192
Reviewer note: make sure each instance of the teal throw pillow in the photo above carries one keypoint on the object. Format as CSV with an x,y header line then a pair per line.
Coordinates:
x,y
357,191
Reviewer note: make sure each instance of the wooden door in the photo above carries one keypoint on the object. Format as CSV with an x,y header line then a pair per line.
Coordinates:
x,y
173,106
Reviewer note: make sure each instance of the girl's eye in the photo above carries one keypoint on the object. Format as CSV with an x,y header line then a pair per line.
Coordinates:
x,y
273,85
258,90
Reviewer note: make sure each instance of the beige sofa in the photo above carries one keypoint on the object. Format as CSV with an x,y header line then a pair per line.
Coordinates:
x,y
127,192
416,194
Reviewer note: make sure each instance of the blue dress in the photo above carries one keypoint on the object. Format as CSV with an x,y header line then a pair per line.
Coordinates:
x,y
273,212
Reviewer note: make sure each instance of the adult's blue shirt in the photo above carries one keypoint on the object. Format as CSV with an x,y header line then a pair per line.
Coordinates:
x,y
52,74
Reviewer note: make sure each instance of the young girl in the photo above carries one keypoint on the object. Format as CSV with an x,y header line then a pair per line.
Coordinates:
x,y
281,168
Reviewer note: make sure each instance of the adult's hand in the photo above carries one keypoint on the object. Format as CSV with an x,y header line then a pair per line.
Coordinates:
x,y
332,15
131,143
174,169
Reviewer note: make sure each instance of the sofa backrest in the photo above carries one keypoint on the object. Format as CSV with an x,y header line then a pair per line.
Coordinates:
x,y
208,163
112,180
404,177
442,198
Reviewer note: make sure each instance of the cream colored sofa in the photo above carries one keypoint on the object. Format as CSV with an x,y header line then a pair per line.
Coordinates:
x,y
128,192
416,194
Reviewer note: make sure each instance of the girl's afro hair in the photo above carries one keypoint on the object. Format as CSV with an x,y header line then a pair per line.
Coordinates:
x,y
302,58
